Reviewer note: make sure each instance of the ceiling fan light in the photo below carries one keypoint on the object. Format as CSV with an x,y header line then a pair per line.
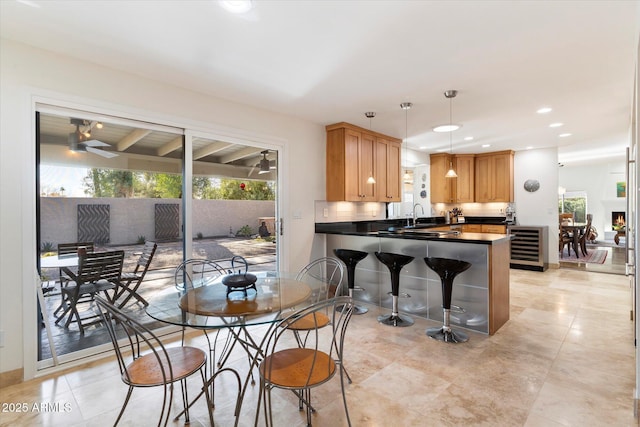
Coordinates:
x,y
264,163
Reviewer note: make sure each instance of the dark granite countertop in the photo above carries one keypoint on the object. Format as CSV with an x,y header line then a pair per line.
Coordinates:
x,y
421,231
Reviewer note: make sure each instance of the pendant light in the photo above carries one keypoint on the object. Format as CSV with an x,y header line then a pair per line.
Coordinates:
x,y
370,115
406,106
450,94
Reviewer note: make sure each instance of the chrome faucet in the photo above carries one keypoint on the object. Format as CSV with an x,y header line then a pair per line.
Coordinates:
x,y
415,215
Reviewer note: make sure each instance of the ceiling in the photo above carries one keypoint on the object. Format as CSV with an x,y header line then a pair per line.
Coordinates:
x,y
329,61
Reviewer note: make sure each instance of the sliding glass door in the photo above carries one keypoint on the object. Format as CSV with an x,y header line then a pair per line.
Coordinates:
x,y
118,183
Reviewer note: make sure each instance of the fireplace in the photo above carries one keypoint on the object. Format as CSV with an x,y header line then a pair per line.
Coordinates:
x,y
618,220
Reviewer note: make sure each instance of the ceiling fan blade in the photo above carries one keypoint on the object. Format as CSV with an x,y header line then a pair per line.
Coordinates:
x,y
95,143
107,154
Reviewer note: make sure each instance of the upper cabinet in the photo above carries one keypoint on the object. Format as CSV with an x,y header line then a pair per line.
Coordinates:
x,y
494,177
354,155
452,190
443,190
482,178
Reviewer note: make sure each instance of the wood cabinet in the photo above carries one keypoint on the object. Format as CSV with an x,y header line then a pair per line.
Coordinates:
x,y
443,190
465,182
494,228
452,190
484,228
472,228
353,155
494,177
388,170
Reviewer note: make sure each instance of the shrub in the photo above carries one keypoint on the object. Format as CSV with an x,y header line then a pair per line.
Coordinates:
x,y
199,236
47,247
142,240
245,231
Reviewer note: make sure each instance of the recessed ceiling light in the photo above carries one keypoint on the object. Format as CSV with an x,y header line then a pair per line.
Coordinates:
x,y
544,110
423,147
564,135
555,125
446,128
237,6
486,145
529,147
468,138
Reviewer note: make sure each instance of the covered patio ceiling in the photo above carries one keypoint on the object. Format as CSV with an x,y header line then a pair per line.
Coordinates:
x,y
137,146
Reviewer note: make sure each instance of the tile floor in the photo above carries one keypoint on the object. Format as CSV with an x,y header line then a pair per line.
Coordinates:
x,y
566,358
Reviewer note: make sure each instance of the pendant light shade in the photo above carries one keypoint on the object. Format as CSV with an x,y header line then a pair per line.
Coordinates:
x,y
370,115
450,94
406,106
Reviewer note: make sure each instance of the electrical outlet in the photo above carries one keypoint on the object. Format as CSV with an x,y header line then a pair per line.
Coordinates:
x,y
325,212
374,212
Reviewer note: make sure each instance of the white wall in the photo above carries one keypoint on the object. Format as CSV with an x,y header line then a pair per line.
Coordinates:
x,y
28,75
539,208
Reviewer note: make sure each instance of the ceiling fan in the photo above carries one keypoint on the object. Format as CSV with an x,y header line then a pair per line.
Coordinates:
x,y
79,141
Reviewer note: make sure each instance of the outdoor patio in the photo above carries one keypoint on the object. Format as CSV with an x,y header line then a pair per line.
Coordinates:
x,y
260,254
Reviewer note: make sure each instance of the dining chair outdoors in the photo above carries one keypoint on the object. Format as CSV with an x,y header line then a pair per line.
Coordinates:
x,y
301,369
70,249
97,272
131,281
158,366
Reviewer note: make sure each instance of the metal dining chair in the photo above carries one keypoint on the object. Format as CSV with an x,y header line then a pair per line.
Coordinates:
x,y
146,362
301,369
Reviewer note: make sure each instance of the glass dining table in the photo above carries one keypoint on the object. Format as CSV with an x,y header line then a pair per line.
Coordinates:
x,y
211,307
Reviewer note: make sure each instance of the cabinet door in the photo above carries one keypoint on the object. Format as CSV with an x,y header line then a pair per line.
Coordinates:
x,y
465,169
483,182
502,178
472,228
442,189
494,228
382,169
367,168
351,176
394,186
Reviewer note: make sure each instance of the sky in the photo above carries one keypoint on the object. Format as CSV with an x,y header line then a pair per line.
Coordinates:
x,y
52,178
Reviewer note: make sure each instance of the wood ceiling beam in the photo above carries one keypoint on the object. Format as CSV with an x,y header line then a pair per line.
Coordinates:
x,y
240,154
169,147
210,149
135,136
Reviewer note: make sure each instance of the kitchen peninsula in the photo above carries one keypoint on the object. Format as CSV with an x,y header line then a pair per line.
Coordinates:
x,y
482,292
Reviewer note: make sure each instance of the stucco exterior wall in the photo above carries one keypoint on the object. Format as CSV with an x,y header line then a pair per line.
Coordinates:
x,y
133,218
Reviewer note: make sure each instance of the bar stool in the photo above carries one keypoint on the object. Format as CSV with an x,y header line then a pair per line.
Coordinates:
x,y
351,258
447,269
394,263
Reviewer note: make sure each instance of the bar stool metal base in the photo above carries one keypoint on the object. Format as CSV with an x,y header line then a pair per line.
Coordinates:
x,y
447,335
357,309
395,320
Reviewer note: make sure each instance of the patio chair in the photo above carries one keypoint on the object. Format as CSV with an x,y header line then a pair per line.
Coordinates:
x,y
303,369
159,366
98,272
131,281
70,249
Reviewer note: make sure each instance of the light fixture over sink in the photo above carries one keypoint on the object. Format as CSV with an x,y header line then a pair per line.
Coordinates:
x,y
370,115
406,106
450,94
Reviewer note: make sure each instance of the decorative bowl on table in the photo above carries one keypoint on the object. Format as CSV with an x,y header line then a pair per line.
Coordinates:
x,y
239,282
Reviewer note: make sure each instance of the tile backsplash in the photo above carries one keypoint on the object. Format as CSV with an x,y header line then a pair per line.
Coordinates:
x,y
348,211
